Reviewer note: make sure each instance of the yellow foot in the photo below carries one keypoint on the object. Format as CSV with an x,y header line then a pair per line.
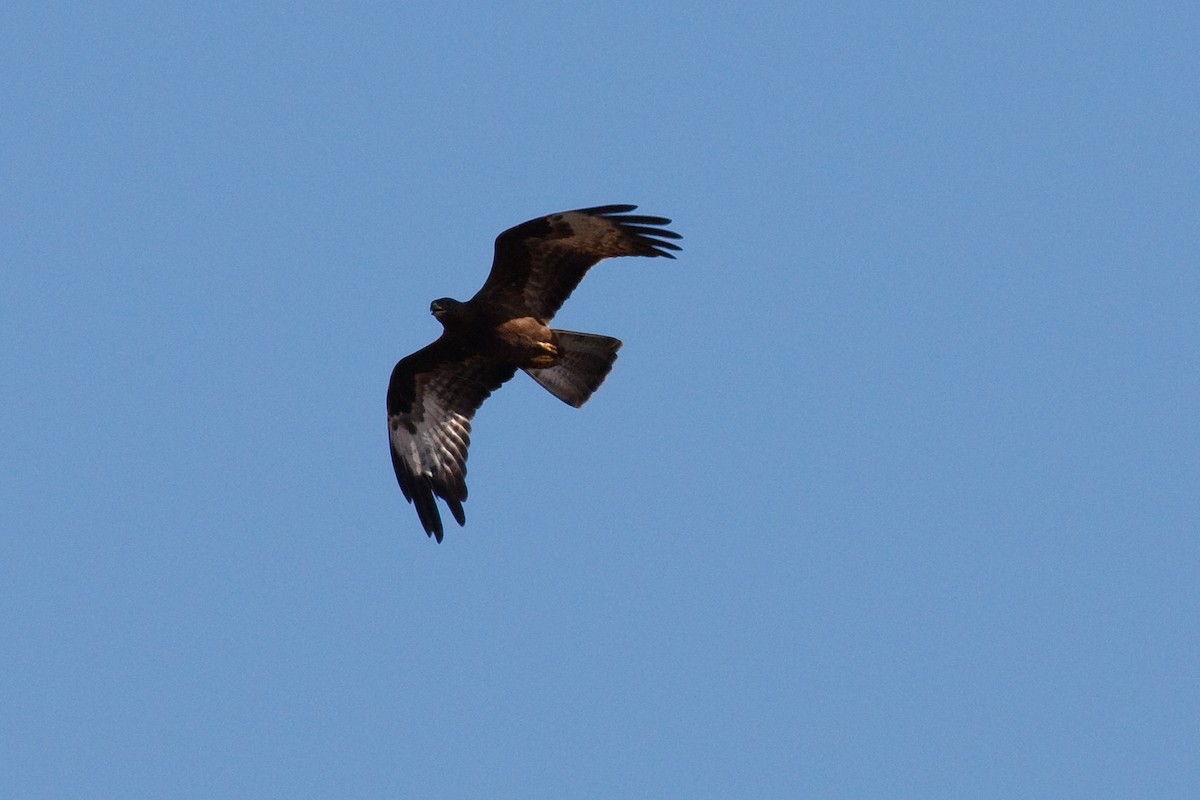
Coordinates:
x,y
550,357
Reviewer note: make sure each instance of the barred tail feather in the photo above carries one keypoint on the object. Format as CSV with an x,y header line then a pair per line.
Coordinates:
x,y
584,361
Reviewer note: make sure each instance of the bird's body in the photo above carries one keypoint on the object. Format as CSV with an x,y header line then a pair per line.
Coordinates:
x,y
434,393
521,341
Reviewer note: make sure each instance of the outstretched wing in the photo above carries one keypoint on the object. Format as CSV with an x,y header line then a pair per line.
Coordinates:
x,y
540,262
432,396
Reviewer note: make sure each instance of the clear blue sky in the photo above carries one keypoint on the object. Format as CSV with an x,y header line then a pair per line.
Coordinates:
x,y
894,491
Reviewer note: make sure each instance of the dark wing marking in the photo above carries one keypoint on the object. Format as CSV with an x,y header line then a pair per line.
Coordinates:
x,y
540,262
432,396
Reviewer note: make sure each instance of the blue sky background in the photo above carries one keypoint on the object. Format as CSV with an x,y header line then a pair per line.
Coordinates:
x,y
892,493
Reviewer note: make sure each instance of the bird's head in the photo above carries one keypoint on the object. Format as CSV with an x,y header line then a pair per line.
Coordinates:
x,y
440,307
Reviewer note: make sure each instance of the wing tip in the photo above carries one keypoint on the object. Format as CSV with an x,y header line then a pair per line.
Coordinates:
x,y
423,494
603,211
647,231
431,518
435,530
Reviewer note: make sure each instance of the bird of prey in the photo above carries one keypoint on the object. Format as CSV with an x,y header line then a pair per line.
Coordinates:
x,y
434,393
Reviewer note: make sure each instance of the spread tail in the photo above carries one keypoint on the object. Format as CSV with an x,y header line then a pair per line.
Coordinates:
x,y
584,361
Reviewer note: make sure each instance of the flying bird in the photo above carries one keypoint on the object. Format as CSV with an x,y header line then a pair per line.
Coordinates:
x,y
434,393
